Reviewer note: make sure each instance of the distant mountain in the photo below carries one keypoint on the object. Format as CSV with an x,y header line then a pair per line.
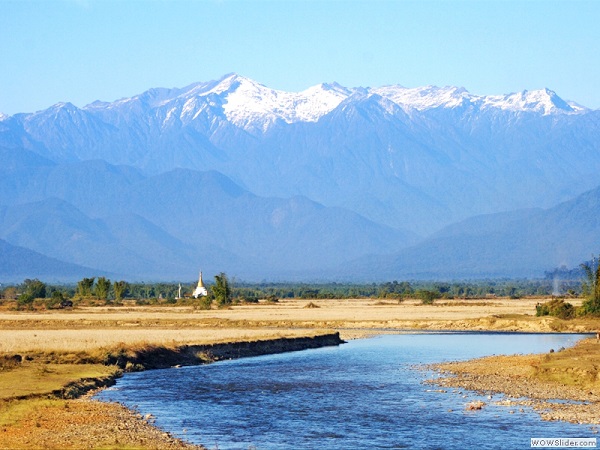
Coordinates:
x,y
19,263
170,225
417,158
522,243
232,175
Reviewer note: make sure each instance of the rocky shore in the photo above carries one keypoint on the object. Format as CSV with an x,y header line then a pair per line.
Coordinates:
x,y
555,391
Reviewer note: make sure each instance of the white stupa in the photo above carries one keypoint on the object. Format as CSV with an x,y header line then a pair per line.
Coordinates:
x,y
200,290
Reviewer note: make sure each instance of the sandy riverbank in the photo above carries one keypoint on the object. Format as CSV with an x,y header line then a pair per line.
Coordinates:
x,y
68,336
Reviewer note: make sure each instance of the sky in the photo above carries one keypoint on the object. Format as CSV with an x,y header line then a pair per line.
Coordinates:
x,y
80,51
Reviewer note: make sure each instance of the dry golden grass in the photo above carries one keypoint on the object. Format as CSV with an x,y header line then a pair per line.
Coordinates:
x,y
23,341
291,309
574,366
70,337
34,379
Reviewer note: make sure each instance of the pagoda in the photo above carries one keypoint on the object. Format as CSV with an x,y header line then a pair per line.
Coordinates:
x,y
200,290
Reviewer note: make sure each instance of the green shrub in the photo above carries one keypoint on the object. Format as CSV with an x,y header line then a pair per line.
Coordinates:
x,y
556,308
427,297
204,302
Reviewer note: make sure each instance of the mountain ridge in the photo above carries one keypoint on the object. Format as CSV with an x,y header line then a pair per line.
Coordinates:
x,y
401,162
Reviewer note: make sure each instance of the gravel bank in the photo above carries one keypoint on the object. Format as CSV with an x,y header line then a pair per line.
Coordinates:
x,y
574,404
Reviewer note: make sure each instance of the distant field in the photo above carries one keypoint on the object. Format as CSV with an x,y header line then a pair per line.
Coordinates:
x,y
83,329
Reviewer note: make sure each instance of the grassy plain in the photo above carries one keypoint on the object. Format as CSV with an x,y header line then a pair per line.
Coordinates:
x,y
55,343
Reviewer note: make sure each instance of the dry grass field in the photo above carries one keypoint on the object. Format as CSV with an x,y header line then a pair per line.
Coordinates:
x,y
84,329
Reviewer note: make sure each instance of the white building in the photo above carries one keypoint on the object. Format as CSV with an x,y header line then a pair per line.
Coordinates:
x,y
200,290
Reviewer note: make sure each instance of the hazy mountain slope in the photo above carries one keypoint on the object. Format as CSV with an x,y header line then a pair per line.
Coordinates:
x,y
515,244
57,229
168,226
19,263
207,207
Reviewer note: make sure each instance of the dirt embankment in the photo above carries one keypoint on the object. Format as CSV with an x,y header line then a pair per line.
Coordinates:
x,y
187,355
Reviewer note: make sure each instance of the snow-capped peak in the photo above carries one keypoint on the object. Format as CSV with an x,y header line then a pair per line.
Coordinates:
x,y
251,105
422,98
61,108
544,101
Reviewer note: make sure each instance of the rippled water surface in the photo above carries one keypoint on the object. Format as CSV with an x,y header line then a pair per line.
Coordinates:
x,y
365,394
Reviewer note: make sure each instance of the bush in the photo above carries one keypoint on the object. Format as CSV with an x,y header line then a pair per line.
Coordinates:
x,y
25,299
591,288
272,299
204,302
55,301
556,308
35,288
427,297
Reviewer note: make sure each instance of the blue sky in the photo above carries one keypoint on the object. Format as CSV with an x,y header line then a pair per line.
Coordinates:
x,y
85,50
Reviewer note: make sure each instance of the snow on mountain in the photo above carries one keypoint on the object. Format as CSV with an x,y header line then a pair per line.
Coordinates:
x,y
423,98
255,108
252,105
242,101
543,101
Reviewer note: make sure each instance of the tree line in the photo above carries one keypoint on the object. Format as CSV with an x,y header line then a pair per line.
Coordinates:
x,y
223,291
103,291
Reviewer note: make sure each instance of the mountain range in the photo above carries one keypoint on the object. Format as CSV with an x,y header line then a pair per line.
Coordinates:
x,y
328,183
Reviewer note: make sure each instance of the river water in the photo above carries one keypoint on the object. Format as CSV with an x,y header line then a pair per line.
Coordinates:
x,y
365,394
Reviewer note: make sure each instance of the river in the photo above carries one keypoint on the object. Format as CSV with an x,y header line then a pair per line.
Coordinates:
x,y
366,394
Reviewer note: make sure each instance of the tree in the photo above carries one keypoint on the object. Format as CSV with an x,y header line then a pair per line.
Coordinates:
x,y
120,288
591,287
102,288
34,288
84,287
221,290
